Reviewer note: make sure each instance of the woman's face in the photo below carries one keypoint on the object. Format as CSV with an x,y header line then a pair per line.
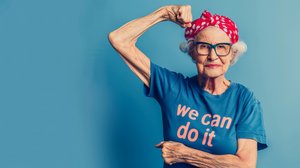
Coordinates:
x,y
211,65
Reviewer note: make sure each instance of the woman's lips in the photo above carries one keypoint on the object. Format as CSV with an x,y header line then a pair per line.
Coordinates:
x,y
212,65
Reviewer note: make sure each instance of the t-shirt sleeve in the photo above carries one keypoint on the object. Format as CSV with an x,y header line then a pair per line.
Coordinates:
x,y
251,124
163,82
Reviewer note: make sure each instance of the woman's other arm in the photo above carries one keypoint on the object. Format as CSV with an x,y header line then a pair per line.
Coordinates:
x,y
124,38
246,156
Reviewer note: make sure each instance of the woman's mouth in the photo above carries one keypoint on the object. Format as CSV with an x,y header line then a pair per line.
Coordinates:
x,y
212,65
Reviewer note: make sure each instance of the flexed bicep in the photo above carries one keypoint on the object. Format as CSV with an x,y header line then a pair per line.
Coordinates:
x,y
124,38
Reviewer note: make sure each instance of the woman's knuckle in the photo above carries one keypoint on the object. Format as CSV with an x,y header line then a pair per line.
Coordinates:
x,y
167,160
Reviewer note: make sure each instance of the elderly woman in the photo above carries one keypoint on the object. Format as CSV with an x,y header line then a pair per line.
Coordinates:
x,y
208,120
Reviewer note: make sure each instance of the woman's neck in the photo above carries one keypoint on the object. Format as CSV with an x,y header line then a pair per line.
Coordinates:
x,y
215,86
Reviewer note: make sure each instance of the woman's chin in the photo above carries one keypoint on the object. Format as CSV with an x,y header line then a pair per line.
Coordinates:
x,y
212,74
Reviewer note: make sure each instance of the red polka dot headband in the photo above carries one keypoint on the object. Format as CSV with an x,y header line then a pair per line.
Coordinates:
x,y
206,19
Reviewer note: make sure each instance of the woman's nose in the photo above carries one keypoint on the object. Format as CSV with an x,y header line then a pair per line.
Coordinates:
x,y
212,54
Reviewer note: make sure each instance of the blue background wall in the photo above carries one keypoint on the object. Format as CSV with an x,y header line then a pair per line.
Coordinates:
x,y
67,100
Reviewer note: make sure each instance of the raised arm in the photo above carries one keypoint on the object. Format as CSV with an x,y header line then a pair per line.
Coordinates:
x,y
124,38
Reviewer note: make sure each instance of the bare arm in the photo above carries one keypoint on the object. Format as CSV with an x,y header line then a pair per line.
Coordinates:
x,y
124,38
246,156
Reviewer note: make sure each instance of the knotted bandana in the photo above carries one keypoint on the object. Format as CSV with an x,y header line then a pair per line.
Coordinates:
x,y
206,19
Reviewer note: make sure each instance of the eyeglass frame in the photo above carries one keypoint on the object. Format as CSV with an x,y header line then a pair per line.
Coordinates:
x,y
212,46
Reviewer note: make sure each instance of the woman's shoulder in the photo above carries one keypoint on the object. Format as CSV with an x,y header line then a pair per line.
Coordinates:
x,y
241,87
245,93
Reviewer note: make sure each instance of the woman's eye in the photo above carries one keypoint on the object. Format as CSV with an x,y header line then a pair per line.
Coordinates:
x,y
221,46
204,46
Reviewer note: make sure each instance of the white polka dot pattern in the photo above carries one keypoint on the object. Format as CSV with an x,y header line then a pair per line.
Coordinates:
x,y
206,19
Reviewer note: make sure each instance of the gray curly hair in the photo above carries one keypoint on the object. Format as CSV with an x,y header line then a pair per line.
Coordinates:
x,y
238,49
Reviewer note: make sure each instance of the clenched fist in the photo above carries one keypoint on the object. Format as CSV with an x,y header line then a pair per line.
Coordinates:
x,y
181,15
172,152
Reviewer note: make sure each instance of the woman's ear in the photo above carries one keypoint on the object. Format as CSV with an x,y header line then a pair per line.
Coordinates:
x,y
238,49
232,57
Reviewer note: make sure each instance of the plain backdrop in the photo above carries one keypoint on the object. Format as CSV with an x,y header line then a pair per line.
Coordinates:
x,y
67,100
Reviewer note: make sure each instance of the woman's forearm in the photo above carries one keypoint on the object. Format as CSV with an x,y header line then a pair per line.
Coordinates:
x,y
131,31
203,159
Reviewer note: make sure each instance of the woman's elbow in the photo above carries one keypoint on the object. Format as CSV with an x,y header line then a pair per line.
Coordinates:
x,y
112,37
118,41
247,163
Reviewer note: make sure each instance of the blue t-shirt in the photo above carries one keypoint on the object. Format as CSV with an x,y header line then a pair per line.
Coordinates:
x,y
200,120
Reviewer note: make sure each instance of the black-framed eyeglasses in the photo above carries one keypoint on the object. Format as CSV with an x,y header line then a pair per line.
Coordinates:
x,y
204,49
